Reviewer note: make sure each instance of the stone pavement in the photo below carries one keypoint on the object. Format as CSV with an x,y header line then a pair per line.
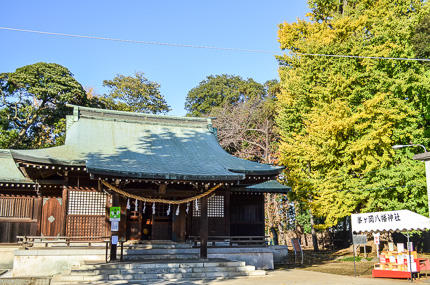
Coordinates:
x,y
299,277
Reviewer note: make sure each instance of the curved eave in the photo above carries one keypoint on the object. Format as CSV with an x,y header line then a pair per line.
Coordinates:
x,y
271,186
45,156
11,181
272,171
9,172
165,176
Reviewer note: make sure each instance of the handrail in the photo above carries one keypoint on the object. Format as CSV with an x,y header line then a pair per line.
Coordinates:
x,y
28,241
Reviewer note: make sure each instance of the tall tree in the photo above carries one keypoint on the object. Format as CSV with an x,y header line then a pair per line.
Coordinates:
x,y
33,104
221,90
135,94
246,129
339,117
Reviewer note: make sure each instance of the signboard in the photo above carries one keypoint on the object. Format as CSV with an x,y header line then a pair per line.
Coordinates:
x,y
114,226
114,214
376,238
114,239
359,239
402,220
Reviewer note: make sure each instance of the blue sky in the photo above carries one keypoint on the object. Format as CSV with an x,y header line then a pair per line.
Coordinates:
x,y
235,24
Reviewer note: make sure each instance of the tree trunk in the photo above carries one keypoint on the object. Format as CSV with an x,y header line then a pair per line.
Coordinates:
x,y
314,234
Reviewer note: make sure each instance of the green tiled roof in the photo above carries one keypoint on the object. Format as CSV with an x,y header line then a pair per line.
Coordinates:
x,y
9,172
126,144
271,186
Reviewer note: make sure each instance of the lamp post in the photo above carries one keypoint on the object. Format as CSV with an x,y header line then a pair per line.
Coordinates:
x,y
425,156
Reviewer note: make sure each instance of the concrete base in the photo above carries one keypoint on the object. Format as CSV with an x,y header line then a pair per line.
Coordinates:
x,y
6,256
260,257
51,261
280,253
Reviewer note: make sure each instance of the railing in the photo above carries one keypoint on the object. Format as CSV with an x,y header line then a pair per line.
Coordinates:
x,y
29,241
231,241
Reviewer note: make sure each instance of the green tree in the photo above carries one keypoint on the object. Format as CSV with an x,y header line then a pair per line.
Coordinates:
x,y
220,90
421,36
33,105
339,117
135,94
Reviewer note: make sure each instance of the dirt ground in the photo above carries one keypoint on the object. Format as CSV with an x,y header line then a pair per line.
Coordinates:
x,y
303,277
341,263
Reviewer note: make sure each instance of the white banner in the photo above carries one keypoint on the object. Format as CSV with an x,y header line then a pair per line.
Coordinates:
x,y
402,220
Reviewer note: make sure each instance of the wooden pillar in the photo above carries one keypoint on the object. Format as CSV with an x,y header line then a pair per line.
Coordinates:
x,y
204,227
37,214
178,223
227,211
65,202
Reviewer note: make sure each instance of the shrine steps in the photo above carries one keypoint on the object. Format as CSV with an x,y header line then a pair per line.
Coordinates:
x,y
150,272
161,251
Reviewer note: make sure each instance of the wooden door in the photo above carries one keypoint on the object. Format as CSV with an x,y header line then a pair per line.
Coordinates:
x,y
161,228
52,217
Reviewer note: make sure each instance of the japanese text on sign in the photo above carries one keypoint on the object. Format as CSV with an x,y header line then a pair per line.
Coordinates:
x,y
378,218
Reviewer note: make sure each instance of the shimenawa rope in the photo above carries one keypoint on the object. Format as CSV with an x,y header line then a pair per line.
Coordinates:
x,y
157,200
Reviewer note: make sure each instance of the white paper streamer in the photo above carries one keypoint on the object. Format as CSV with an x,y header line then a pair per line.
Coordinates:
x,y
188,207
136,205
144,207
177,210
153,208
168,211
128,204
197,205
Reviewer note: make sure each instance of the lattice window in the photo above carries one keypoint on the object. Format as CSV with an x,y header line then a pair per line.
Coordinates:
x,y
86,203
16,207
215,207
86,226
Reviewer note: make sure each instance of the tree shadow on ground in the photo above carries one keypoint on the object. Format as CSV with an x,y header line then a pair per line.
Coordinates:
x,y
335,262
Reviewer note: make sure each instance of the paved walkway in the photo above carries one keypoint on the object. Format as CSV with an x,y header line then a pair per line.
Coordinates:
x,y
299,276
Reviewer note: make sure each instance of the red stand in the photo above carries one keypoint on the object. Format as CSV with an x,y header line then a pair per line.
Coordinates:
x,y
391,274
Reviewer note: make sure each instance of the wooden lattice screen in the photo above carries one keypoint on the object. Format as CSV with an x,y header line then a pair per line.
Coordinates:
x,y
86,226
86,203
215,207
16,207
86,214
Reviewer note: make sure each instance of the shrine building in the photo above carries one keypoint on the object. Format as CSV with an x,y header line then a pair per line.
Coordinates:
x,y
169,175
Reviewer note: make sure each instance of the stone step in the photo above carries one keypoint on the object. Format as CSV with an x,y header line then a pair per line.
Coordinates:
x,y
142,257
110,271
165,272
150,281
157,245
159,264
154,276
161,251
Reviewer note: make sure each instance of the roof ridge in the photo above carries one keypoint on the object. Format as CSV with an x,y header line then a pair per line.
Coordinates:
x,y
98,112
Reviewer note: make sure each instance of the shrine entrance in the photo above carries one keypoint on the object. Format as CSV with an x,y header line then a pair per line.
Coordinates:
x,y
151,224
